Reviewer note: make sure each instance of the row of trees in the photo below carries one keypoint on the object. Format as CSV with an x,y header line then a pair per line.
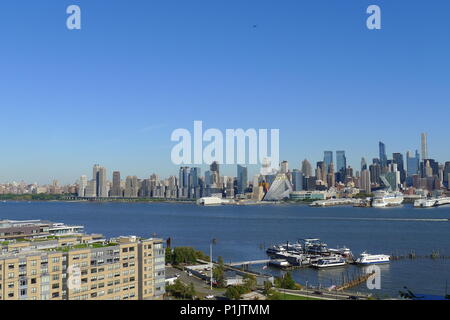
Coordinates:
x,y
184,255
180,290
31,197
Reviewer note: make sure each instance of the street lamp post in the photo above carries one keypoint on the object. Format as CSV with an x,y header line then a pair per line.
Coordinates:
x,y
213,241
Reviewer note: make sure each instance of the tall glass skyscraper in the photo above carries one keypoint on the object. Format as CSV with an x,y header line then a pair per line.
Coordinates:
x,y
412,163
341,161
327,158
242,179
383,157
297,180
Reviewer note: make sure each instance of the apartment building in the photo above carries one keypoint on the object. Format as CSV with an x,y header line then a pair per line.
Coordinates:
x,y
82,267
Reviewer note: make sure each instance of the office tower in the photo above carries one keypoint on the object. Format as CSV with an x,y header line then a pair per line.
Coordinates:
x,y
331,178
382,153
284,167
365,184
327,158
123,268
82,185
424,145
194,177
397,158
349,172
297,180
131,187
242,179
99,175
91,189
321,173
412,163
434,165
447,174
341,165
116,190
428,169
341,161
318,173
363,164
306,168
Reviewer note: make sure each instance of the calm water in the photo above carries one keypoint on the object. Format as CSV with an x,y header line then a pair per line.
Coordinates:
x,y
244,231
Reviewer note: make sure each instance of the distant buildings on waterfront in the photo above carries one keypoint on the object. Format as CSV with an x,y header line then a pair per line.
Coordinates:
x,y
415,174
41,260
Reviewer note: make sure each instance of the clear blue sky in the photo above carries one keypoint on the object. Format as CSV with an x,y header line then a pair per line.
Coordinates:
x,y
113,92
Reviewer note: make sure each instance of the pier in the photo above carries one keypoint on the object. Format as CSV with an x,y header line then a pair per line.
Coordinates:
x,y
251,262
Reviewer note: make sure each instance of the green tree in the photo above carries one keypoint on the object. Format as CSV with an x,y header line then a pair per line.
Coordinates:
x,y
249,282
169,255
286,282
267,287
180,290
219,273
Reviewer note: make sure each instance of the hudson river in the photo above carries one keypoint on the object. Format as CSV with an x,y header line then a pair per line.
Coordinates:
x,y
244,232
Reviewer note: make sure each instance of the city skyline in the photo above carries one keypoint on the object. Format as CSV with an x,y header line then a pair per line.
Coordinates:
x,y
113,92
383,171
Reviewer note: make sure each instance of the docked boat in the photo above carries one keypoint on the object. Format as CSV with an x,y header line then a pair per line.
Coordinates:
x,y
387,199
315,247
344,252
335,261
280,263
366,258
431,202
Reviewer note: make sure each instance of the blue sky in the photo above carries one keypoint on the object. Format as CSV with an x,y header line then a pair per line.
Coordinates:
x,y
113,92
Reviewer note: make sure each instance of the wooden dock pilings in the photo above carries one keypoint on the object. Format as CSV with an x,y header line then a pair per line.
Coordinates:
x,y
354,282
435,254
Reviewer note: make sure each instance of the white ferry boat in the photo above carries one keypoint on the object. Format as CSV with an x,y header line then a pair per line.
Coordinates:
x,y
366,258
329,262
387,199
431,202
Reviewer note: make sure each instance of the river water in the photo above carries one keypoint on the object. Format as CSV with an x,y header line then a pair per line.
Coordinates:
x,y
244,232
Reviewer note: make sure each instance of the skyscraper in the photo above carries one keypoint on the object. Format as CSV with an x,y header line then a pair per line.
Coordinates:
x,y
424,145
194,177
82,185
242,179
328,158
447,174
99,175
365,181
341,165
131,187
297,180
284,167
306,168
382,152
116,191
341,161
363,164
412,163
398,159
